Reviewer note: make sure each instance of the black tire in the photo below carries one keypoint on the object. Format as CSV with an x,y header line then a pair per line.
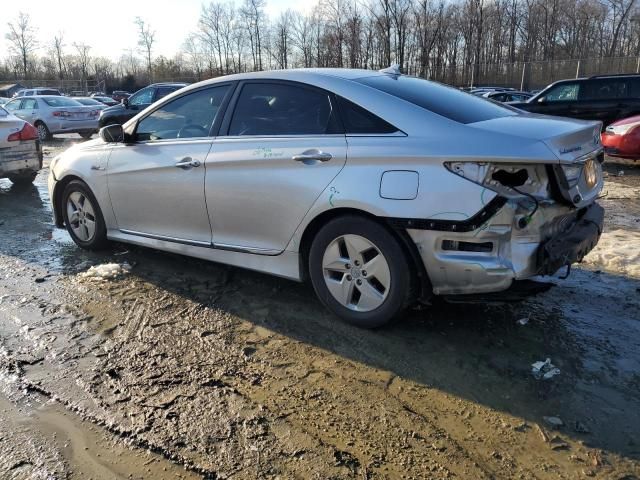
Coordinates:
x,y
23,178
43,131
86,135
98,240
399,294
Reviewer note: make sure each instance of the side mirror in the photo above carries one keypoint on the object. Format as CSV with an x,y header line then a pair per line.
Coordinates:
x,y
112,134
125,102
541,100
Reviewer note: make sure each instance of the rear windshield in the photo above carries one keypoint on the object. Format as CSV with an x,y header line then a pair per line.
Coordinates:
x,y
61,102
47,92
446,101
87,101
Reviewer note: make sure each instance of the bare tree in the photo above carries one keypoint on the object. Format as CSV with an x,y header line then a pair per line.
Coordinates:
x,y
58,52
146,39
84,60
22,39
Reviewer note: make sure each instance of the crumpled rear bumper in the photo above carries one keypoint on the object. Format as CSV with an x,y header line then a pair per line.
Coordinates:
x,y
556,236
570,246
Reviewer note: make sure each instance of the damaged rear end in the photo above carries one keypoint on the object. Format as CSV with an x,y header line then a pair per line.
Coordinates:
x,y
539,214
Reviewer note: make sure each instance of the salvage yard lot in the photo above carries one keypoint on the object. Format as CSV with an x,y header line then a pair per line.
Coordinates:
x,y
235,374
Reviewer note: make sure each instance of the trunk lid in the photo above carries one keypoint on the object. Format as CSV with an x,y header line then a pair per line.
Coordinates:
x,y
567,138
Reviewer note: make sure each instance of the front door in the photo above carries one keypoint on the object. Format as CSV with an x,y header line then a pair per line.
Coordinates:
x,y
156,184
280,150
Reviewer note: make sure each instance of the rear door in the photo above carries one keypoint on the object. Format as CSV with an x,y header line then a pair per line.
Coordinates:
x,y
156,184
279,148
603,99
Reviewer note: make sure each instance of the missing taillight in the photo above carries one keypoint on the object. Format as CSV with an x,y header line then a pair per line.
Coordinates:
x,y
456,245
511,179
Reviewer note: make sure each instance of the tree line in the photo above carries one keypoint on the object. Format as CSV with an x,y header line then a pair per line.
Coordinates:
x,y
451,41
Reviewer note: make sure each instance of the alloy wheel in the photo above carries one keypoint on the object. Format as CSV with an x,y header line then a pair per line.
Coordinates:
x,y
42,131
356,273
81,215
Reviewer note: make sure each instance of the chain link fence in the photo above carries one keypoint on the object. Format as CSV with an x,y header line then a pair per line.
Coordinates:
x,y
536,75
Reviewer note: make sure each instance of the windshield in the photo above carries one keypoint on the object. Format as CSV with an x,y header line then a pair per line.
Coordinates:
x,y
61,102
446,101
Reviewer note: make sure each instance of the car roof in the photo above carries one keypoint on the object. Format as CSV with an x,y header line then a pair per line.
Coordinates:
x,y
163,84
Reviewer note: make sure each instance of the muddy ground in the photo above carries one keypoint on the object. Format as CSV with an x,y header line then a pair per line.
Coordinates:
x,y
183,368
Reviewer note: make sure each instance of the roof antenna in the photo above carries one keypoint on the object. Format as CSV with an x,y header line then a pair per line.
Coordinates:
x,y
394,69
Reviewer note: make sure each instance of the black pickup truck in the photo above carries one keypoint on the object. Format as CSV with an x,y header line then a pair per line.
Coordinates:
x,y
606,98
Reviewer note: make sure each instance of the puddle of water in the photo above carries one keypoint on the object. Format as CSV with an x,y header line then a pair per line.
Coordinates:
x,y
86,449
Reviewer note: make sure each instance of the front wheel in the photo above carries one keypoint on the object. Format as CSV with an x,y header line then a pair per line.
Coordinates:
x,y
360,272
83,217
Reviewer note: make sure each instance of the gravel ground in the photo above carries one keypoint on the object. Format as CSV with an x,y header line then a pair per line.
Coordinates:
x,y
180,367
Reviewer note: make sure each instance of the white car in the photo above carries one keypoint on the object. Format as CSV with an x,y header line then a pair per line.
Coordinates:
x,y
20,155
380,188
52,114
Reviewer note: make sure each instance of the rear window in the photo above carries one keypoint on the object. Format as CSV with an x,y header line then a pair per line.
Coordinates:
x,y
61,102
47,92
87,101
445,101
357,120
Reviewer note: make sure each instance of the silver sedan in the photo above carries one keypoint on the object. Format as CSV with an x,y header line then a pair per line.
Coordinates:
x,y
52,114
381,189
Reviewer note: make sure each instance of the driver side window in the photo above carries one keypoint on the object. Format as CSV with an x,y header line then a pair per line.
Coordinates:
x,y
563,93
188,116
143,97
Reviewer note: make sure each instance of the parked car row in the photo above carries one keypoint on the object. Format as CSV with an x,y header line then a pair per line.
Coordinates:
x,y
55,114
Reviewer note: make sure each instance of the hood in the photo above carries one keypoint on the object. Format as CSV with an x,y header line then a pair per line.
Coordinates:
x,y
116,109
626,121
567,138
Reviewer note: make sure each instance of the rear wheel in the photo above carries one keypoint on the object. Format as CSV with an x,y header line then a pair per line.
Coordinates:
x,y
23,178
360,272
83,217
43,131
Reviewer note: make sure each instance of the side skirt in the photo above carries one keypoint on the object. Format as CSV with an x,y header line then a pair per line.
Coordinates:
x,y
286,265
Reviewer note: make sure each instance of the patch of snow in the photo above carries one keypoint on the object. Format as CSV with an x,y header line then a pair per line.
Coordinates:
x,y
106,271
617,251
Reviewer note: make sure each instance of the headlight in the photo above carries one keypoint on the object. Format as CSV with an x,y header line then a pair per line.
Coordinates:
x,y
621,129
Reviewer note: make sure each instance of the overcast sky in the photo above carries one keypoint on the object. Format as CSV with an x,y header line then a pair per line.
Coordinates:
x,y
108,26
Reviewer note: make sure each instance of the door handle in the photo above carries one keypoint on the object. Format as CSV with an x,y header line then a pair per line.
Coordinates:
x,y
312,156
187,163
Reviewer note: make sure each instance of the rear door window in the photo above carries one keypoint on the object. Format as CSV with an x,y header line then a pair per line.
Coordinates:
x,y
605,89
30,104
164,91
563,93
445,101
282,109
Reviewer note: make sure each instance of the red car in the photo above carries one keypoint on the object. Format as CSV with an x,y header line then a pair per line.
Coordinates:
x,y
622,138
